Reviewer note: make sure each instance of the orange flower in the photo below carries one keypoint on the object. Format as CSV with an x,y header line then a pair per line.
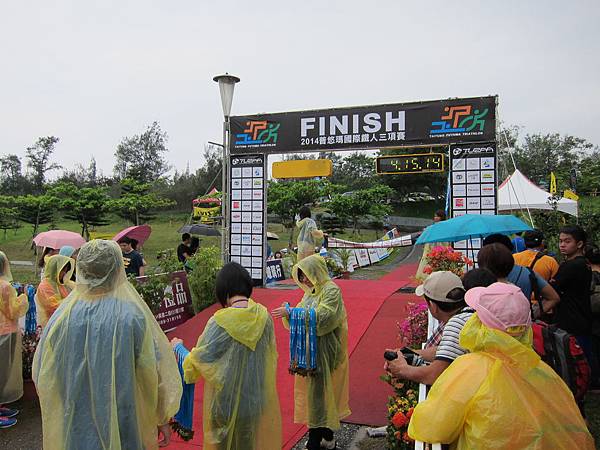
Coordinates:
x,y
409,413
406,437
399,420
398,435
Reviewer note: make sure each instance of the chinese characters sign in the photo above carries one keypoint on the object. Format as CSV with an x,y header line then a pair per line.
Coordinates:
x,y
364,127
176,310
247,231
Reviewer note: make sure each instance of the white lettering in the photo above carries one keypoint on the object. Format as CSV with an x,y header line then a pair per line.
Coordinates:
x,y
306,123
335,124
322,126
355,129
389,121
372,123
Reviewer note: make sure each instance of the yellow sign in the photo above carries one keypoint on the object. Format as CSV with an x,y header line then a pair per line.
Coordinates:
x,y
552,183
304,168
570,194
97,235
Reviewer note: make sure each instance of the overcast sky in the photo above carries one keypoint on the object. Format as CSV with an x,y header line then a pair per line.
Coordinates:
x,y
94,72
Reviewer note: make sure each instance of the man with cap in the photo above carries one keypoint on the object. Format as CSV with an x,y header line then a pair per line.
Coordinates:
x,y
444,293
534,256
500,395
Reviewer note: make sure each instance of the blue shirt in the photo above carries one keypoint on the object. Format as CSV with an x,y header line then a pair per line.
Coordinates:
x,y
519,244
519,276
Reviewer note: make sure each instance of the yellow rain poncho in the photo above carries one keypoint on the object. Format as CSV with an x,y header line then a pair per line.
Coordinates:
x,y
237,357
499,396
308,237
105,372
51,291
12,307
322,400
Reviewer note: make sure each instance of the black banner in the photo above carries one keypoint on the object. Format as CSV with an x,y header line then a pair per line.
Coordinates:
x,y
367,127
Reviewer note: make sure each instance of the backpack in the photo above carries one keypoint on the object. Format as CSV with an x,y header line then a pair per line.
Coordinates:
x,y
560,350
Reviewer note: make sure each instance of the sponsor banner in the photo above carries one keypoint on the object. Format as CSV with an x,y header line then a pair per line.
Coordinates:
x,y
402,241
362,256
247,200
364,127
473,185
373,255
176,310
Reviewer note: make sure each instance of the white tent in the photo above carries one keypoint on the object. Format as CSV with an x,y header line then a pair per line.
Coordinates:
x,y
518,192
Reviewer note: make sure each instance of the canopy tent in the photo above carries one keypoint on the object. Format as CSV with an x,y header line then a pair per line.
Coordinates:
x,y
518,192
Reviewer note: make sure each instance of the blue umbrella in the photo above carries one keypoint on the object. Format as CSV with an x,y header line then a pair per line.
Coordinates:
x,y
471,226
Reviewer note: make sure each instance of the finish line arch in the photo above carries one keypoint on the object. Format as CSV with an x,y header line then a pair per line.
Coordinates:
x,y
464,127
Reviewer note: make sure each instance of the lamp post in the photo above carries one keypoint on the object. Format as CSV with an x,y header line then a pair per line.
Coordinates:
x,y
226,86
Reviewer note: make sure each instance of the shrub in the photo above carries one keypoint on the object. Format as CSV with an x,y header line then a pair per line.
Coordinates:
x,y
204,264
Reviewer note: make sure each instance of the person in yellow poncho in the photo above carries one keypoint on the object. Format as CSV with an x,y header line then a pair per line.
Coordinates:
x,y
55,287
237,357
104,370
12,307
308,235
321,400
501,395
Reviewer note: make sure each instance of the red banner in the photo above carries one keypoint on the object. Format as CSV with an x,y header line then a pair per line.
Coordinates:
x,y
178,309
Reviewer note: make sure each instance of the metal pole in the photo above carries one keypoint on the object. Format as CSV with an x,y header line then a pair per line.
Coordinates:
x,y
224,191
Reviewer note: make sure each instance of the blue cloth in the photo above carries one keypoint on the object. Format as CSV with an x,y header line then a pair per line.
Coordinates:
x,y
519,276
66,250
184,417
471,226
519,244
85,350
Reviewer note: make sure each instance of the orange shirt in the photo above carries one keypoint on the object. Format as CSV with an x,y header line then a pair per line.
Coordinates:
x,y
546,266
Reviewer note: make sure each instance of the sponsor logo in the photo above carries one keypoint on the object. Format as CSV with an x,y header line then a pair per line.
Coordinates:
x,y
457,151
246,161
459,120
259,133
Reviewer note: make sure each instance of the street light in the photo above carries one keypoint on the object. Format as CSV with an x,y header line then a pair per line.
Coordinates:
x,y
226,86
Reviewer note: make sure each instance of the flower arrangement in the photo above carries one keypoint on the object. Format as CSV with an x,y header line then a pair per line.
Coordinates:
x,y
412,332
446,258
400,408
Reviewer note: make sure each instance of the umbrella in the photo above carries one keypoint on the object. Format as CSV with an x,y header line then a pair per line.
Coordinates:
x,y
471,225
272,236
138,232
200,229
58,238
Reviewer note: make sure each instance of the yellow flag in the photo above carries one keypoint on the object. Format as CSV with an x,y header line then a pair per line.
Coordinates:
x,y
570,194
552,183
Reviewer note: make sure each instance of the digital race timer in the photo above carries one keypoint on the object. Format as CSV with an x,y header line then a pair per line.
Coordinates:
x,y
415,163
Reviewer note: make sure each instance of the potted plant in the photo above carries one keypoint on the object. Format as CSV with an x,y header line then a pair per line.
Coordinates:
x,y
344,255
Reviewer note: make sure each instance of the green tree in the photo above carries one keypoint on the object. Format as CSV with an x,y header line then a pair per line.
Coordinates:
x,y
137,201
9,214
141,157
362,203
356,171
36,210
38,160
285,198
87,205
12,181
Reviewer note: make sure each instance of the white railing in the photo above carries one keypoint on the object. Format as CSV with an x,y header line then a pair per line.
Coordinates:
x,y
432,324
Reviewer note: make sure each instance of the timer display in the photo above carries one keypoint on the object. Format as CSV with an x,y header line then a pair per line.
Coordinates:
x,y
415,163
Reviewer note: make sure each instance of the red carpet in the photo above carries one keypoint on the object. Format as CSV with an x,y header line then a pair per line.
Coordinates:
x,y
363,300
368,394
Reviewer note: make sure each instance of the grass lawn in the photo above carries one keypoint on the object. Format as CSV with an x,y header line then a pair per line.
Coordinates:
x,y
17,244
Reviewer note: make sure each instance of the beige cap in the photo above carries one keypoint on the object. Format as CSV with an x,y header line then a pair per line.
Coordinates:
x,y
438,284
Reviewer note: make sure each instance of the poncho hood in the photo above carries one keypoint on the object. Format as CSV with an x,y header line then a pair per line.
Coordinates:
x,y
516,351
315,269
245,325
